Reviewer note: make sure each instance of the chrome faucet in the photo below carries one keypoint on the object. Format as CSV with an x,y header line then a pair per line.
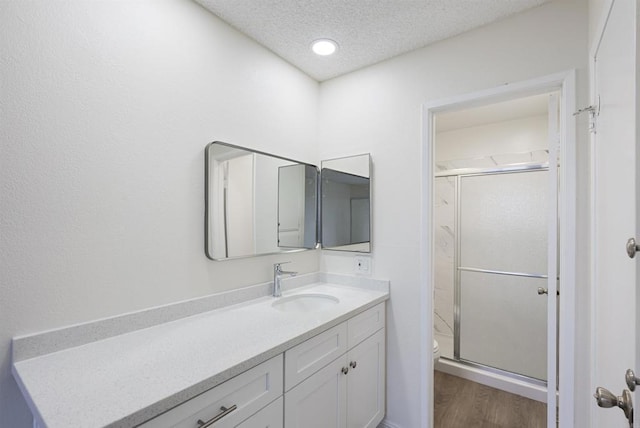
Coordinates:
x,y
277,278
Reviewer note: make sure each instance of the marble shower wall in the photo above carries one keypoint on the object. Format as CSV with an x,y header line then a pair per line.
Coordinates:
x,y
444,223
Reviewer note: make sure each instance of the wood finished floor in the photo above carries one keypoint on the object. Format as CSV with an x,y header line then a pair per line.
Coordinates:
x,y
460,403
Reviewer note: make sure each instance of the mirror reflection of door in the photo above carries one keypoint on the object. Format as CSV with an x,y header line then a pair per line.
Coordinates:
x,y
296,205
238,205
290,206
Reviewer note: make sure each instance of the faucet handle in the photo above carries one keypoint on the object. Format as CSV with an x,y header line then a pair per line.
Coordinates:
x,y
277,266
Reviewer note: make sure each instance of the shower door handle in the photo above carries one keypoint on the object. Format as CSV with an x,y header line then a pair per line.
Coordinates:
x,y
542,291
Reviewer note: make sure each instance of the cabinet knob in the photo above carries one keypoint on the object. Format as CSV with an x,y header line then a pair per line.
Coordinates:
x,y
353,364
345,370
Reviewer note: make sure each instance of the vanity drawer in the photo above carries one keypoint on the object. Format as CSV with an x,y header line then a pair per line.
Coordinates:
x,y
365,324
250,391
310,356
271,416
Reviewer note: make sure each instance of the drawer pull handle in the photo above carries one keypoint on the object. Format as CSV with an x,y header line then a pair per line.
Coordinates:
x,y
224,411
353,364
345,370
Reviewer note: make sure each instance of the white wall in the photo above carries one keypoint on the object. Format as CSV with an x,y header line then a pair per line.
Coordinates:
x,y
506,137
378,110
596,12
105,110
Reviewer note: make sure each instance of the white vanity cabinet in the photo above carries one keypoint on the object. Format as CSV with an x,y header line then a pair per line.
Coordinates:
x,y
334,379
347,392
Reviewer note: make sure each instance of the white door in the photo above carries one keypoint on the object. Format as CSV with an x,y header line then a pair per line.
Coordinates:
x,y
291,187
614,207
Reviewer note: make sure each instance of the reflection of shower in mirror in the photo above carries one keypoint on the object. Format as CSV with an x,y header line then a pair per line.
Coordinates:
x,y
346,203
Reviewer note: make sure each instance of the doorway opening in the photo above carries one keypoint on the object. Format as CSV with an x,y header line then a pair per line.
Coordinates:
x,y
492,207
493,199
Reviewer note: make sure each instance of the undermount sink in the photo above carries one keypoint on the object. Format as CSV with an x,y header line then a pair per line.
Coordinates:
x,y
307,302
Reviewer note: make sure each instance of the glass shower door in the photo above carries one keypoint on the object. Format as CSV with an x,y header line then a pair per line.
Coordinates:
x,y
502,262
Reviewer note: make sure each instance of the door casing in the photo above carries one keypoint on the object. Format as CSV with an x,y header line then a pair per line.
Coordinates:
x,y
565,82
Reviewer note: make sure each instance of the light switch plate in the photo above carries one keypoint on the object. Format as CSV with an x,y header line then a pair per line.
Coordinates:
x,y
363,265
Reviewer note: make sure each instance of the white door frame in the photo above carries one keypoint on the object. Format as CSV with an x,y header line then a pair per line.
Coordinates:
x,y
566,83
593,52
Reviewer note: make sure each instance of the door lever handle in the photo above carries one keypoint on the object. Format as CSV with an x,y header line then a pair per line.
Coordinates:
x,y
632,247
631,379
606,399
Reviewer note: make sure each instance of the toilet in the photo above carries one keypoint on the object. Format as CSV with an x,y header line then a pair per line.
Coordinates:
x,y
436,351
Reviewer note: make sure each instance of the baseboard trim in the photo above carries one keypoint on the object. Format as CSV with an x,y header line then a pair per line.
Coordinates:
x,y
494,380
386,424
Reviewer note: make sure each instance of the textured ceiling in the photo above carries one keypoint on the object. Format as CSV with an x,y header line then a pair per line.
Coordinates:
x,y
367,31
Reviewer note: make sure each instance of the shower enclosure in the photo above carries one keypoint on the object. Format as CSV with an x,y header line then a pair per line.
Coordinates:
x,y
491,266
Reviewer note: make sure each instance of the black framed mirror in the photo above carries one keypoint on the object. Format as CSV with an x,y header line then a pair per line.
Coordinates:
x,y
257,203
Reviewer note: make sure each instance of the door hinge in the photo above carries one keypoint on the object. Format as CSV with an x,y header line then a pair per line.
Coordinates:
x,y
594,112
558,148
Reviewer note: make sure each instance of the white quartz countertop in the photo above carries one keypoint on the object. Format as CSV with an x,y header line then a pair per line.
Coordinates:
x,y
128,379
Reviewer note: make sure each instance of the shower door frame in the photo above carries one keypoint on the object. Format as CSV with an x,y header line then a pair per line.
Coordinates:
x,y
565,83
474,172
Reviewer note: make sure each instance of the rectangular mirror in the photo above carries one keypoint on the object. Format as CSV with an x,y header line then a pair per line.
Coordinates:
x,y
257,203
346,203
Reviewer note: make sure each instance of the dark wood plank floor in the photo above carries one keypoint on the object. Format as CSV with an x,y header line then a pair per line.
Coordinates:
x,y
460,403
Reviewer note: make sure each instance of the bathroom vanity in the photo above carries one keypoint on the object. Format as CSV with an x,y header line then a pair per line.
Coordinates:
x,y
314,357
338,374
311,356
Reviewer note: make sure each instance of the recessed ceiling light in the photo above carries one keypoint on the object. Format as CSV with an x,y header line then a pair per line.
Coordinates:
x,y
324,47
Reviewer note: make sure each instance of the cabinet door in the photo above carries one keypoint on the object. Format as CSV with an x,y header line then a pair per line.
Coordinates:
x,y
319,401
269,417
366,382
